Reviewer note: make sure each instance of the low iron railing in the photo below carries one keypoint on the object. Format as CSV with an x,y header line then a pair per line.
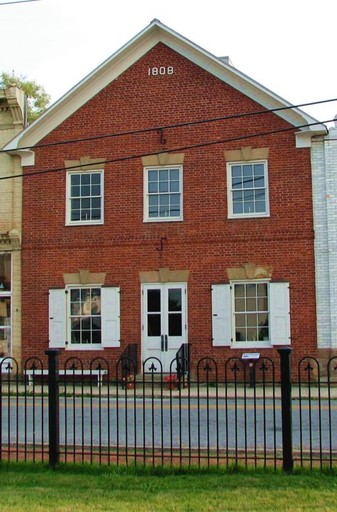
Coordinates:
x,y
215,417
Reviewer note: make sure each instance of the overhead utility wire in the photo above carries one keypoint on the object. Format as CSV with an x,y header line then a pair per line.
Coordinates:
x,y
18,2
140,155
171,126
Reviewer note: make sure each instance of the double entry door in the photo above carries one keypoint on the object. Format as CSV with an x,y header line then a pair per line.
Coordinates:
x,y
164,324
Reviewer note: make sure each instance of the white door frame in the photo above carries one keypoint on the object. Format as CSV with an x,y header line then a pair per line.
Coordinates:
x,y
167,315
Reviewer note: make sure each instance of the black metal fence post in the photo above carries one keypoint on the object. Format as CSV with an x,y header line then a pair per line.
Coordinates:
x,y
287,442
53,406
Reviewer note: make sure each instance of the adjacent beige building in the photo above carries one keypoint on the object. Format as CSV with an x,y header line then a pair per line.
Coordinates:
x,y
12,103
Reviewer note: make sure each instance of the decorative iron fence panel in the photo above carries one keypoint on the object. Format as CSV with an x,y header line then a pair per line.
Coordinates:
x,y
228,413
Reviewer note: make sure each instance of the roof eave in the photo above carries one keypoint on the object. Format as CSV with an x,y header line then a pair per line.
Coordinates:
x,y
117,63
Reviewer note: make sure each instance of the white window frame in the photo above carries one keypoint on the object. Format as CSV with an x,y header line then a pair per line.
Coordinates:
x,y
8,294
59,319
223,322
253,343
231,214
81,222
147,217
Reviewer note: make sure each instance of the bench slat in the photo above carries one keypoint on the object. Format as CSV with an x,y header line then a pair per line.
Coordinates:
x,y
95,373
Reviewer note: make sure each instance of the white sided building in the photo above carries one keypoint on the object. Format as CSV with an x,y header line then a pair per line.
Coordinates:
x,y
324,166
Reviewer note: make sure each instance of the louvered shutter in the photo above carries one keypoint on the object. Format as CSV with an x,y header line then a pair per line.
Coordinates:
x,y
221,315
57,318
279,314
110,317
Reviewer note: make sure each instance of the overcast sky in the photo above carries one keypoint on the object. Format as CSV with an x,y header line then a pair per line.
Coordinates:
x,y
288,46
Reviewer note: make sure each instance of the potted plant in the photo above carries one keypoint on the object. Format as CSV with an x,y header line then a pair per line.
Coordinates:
x,y
129,381
171,381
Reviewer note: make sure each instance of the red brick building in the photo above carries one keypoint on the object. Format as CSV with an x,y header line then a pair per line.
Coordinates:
x,y
166,201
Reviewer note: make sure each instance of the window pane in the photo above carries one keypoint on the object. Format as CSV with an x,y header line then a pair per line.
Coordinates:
x,y
96,202
85,191
5,312
75,191
262,290
164,200
85,315
236,183
85,179
163,186
251,305
240,334
96,190
238,208
248,182
75,179
5,272
239,290
153,187
84,188
252,320
75,215
259,170
174,175
236,171
174,186
251,312
85,203
96,179
163,175
240,305
163,189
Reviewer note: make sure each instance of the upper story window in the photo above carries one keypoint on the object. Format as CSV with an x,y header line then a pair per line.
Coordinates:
x,y
247,189
85,197
163,193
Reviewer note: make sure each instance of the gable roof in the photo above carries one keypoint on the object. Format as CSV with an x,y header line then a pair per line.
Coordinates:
x,y
121,60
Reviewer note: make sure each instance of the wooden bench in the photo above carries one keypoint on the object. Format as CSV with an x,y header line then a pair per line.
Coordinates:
x,y
68,373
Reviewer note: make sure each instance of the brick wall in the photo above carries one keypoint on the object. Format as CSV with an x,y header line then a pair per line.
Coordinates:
x,y
206,243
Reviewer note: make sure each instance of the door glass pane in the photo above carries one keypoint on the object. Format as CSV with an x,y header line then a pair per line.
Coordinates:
x,y
175,324
153,300
153,325
175,299
153,306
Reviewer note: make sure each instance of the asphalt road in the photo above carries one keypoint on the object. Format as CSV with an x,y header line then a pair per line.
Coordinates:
x,y
189,423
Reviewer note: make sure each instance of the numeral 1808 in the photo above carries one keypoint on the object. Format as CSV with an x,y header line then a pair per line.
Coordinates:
x,y
161,70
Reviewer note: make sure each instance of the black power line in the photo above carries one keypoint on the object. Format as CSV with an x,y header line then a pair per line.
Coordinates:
x,y
176,149
18,2
171,126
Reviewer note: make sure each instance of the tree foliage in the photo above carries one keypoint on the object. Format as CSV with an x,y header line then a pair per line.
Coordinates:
x,y
37,98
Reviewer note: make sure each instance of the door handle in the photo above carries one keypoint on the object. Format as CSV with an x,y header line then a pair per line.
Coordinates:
x,y
166,343
162,342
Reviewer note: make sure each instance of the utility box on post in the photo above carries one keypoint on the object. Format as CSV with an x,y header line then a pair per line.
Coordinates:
x,y
250,358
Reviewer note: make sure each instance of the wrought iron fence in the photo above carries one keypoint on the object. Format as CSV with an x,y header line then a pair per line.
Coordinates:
x,y
222,413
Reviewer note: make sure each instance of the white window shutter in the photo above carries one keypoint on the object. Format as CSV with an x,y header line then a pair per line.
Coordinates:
x,y
57,318
279,314
110,317
221,315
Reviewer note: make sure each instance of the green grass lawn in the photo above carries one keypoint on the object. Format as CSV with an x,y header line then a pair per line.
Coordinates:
x,y
28,487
